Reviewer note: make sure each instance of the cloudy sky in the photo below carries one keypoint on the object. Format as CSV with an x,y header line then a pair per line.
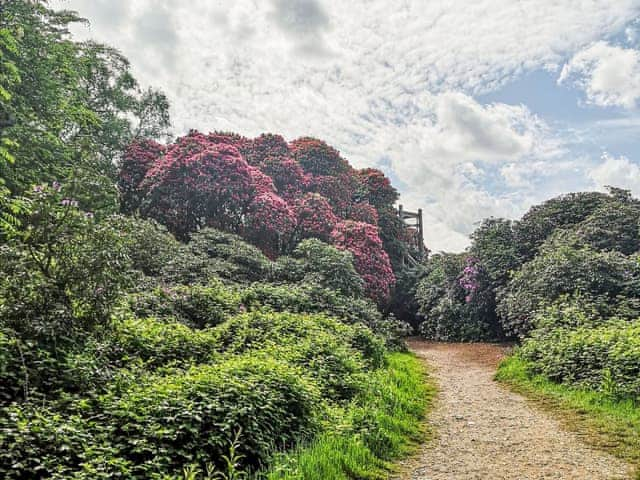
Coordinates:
x,y
473,107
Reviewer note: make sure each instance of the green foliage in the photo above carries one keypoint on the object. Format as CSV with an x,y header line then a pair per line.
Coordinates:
x,y
169,421
605,358
314,261
404,303
68,108
562,267
149,245
495,246
163,422
614,227
198,306
256,330
214,254
380,425
61,273
310,298
542,220
449,312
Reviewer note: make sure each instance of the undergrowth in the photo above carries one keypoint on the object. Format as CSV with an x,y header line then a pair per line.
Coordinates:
x,y
383,423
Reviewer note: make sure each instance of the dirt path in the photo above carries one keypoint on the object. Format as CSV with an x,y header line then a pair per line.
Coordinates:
x,y
483,431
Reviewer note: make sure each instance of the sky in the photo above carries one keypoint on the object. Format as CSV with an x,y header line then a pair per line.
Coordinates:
x,y
474,108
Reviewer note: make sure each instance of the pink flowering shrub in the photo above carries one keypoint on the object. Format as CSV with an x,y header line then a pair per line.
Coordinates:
x,y
209,187
287,175
338,190
136,161
264,146
364,212
370,259
260,182
318,158
315,218
271,222
269,192
379,191
469,278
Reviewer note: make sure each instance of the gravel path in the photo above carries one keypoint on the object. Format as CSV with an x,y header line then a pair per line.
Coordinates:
x,y
483,431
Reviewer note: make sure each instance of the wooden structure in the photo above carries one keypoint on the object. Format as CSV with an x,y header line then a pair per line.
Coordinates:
x,y
414,234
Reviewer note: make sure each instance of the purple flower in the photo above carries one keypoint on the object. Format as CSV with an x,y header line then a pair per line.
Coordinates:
x,y
56,186
89,215
38,188
69,202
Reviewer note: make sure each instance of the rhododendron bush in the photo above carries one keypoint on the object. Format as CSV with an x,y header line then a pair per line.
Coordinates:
x,y
272,193
371,261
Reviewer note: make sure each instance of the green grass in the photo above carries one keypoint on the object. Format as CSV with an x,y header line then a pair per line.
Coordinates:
x,y
382,424
608,424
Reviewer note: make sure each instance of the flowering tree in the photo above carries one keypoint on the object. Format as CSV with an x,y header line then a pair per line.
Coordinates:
x,y
287,175
270,223
371,261
318,158
138,158
271,193
264,146
212,186
339,190
315,218
364,212
379,191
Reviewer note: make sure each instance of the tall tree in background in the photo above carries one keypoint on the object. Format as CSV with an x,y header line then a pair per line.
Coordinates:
x,y
68,108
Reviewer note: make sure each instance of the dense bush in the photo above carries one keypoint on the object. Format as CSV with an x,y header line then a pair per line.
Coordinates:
x,y
61,273
313,261
455,300
256,330
564,267
604,357
163,422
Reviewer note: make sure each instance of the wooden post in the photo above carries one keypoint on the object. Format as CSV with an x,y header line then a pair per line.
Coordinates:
x,y
420,232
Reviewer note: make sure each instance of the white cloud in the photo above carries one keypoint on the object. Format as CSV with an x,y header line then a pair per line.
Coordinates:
x,y
608,74
389,84
616,172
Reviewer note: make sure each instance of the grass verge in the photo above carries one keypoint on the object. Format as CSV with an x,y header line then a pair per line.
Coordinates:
x,y
608,424
382,424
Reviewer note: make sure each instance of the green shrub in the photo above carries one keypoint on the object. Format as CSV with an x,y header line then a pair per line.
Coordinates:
x,y
256,330
311,298
564,267
44,442
162,422
211,254
380,424
313,261
149,245
199,306
61,273
167,422
604,358
239,261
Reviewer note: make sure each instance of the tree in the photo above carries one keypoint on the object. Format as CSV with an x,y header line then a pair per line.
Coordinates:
x,y
138,158
69,108
560,212
318,158
495,246
193,187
